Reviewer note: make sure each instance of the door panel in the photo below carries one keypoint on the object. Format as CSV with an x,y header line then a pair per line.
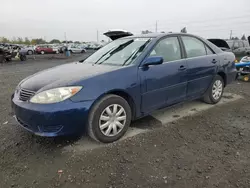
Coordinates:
x,y
164,84
201,67
200,74
49,50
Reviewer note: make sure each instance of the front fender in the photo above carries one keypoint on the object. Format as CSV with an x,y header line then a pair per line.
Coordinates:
x,y
124,79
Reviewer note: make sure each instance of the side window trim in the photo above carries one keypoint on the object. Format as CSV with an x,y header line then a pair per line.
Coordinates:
x,y
184,49
207,47
166,37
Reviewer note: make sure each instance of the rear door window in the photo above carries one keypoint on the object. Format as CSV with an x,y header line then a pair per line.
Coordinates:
x,y
246,44
241,45
194,47
236,44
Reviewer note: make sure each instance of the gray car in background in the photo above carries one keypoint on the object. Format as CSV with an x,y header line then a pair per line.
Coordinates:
x,y
239,47
28,50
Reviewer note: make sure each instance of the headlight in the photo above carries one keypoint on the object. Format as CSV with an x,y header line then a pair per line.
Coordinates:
x,y
55,95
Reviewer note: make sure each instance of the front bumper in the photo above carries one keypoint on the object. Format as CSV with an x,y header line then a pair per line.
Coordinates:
x,y
50,120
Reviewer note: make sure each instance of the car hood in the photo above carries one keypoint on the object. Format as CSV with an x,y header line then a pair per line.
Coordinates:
x,y
64,75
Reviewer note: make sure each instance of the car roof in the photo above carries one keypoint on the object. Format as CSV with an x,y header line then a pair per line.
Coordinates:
x,y
159,35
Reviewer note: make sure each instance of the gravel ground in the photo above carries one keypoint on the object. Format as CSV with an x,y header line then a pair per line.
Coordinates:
x,y
210,149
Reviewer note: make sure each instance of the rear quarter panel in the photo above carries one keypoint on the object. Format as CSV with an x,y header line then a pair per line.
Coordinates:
x,y
227,65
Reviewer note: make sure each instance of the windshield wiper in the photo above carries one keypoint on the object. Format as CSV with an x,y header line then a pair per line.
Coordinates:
x,y
103,55
133,55
119,48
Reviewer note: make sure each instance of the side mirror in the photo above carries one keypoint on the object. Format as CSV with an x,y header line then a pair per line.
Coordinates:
x,y
154,60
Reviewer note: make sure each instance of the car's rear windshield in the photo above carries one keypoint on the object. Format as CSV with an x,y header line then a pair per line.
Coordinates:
x,y
120,52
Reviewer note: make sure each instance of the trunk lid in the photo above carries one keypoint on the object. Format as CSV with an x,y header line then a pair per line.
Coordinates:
x,y
117,33
222,44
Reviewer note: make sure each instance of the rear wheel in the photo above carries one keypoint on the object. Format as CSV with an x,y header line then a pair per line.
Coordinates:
x,y
215,91
30,52
109,119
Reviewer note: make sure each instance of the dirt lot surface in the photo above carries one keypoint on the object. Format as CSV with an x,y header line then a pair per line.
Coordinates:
x,y
209,149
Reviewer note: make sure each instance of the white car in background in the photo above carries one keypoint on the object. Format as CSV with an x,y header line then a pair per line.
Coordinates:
x,y
55,48
76,49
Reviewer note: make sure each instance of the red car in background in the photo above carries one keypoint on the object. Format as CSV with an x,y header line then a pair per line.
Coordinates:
x,y
44,49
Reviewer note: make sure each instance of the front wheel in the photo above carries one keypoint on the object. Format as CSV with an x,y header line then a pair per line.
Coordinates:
x,y
30,52
109,119
42,52
215,91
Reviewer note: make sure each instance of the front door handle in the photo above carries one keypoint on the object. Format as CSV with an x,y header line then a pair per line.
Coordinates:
x,y
214,61
182,68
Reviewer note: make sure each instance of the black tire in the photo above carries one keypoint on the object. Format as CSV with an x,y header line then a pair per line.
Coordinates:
x,y
42,52
95,113
208,97
82,51
23,57
30,52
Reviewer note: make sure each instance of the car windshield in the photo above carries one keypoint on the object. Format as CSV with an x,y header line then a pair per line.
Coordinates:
x,y
120,52
230,43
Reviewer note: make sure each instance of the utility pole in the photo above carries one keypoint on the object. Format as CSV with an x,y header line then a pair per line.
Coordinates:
x,y
231,33
97,36
156,26
65,37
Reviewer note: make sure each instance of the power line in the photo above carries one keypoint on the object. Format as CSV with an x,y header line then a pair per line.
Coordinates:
x,y
213,27
210,20
229,19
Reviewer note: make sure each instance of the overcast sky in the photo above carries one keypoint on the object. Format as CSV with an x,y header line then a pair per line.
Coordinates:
x,y
81,19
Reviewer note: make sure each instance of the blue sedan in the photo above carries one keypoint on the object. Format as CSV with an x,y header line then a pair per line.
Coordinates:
x,y
123,81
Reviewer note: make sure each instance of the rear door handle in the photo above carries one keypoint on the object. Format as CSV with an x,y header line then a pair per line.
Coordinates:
x,y
214,61
182,68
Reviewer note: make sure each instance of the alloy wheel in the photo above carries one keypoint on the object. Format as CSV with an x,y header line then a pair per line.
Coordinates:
x,y
217,89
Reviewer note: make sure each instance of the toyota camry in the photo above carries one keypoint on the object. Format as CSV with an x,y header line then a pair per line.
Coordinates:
x,y
125,80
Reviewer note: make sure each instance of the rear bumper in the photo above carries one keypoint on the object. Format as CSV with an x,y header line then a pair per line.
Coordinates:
x,y
50,120
232,76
